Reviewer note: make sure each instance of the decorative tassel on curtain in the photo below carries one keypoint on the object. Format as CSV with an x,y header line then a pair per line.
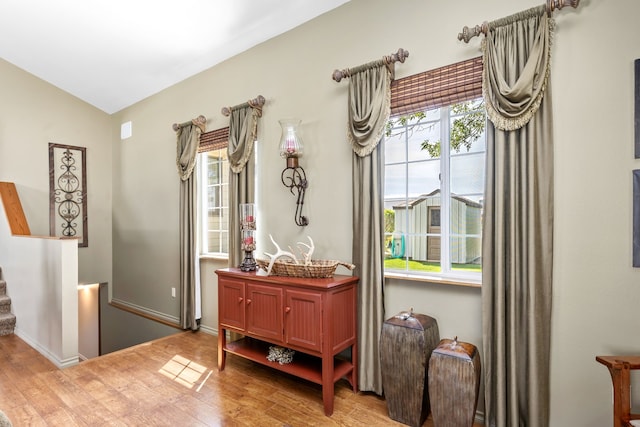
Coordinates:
x,y
243,133
188,138
369,109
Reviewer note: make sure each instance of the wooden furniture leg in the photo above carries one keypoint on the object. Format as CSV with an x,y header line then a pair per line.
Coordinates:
x,y
620,369
222,343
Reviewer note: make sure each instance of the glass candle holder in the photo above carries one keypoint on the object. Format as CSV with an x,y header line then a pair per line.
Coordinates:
x,y
247,216
248,240
290,141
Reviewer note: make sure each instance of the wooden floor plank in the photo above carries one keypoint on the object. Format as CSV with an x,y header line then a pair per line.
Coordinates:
x,y
173,381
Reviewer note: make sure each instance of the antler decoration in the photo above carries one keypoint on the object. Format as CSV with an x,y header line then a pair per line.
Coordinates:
x,y
307,255
273,257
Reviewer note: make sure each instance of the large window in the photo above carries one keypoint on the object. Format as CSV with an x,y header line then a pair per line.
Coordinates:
x,y
213,186
434,183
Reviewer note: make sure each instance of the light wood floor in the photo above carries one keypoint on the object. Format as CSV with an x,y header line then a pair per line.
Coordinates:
x,y
173,381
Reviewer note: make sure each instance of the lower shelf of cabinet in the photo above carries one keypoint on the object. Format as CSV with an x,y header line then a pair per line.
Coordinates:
x,y
303,365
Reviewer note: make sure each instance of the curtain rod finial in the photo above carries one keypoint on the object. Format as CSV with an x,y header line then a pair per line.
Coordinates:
x,y
401,55
337,75
469,33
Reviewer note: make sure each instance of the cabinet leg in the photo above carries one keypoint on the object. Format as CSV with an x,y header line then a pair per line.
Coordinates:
x,y
354,372
222,343
327,385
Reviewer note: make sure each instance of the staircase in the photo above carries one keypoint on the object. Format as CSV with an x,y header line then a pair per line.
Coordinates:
x,y
7,319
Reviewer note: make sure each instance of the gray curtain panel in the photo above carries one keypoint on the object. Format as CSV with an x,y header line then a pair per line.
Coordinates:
x,y
188,138
518,221
243,128
369,109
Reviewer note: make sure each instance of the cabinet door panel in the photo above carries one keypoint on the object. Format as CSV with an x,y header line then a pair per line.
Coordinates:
x,y
231,303
303,319
264,311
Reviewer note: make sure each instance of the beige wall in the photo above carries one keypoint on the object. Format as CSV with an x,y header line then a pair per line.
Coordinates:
x,y
34,113
596,291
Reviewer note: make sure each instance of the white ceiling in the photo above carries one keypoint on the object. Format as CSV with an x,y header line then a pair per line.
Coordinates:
x,y
114,53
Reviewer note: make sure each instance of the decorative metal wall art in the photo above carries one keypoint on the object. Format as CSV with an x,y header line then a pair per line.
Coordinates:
x,y
68,192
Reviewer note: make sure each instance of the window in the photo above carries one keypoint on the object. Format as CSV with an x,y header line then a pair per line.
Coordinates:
x,y
213,188
434,177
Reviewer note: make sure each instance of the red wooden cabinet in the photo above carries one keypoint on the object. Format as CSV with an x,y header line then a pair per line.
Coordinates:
x,y
314,317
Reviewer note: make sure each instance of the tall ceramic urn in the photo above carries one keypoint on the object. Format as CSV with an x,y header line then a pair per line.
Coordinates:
x,y
454,383
406,343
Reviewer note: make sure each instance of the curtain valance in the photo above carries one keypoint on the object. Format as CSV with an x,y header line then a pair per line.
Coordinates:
x,y
243,131
188,138
514,83
369,108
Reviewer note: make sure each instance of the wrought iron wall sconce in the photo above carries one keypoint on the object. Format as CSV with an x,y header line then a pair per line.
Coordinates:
x,y
293,176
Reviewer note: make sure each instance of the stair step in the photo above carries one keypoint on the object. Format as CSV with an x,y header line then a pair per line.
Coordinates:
x,y
3,287
7,323
5,304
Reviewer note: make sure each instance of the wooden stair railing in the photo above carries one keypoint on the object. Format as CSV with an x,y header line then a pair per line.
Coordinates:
x,y
13,209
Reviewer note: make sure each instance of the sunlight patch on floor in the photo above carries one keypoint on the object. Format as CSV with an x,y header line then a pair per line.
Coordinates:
x,y
184,371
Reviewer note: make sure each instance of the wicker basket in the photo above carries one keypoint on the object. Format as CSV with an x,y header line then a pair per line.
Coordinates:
x,y
317,269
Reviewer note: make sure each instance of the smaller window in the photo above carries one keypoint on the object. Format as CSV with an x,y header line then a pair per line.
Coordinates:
x,y
213,188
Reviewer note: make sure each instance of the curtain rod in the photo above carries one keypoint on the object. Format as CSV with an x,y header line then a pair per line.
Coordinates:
x,y
256,103
551,5
400,56
198,121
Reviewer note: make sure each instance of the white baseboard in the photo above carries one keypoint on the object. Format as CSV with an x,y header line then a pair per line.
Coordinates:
x,y
209,330
60,363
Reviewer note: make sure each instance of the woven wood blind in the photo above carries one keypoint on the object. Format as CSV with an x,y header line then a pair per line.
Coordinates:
x,y
214,140
442,86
